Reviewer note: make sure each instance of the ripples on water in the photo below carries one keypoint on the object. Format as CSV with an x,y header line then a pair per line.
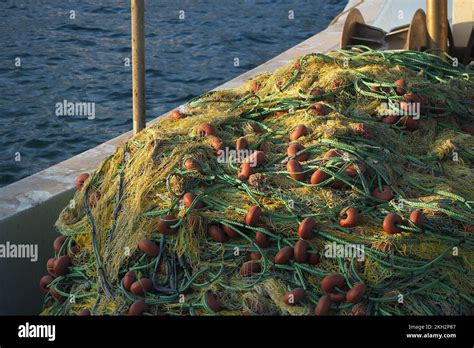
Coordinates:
x,y
82,60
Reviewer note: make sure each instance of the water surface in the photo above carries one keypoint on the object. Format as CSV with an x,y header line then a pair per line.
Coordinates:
x,y
191,47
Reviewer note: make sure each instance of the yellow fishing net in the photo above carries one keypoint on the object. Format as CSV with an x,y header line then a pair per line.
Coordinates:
x,y
215,262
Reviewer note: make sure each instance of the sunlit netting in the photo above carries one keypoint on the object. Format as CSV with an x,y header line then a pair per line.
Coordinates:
x,y
212,251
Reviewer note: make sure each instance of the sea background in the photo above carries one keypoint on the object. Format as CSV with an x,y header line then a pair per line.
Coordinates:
x,y
84,59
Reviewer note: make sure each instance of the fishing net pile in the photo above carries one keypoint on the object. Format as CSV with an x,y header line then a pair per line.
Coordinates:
x,y
348,203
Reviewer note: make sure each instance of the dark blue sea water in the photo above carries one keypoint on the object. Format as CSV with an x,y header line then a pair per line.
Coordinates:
x,y
81,56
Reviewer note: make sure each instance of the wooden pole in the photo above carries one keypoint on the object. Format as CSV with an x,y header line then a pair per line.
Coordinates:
x,y
437,23
138,64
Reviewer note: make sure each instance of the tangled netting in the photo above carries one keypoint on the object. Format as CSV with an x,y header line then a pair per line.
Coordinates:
x,y
348,203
